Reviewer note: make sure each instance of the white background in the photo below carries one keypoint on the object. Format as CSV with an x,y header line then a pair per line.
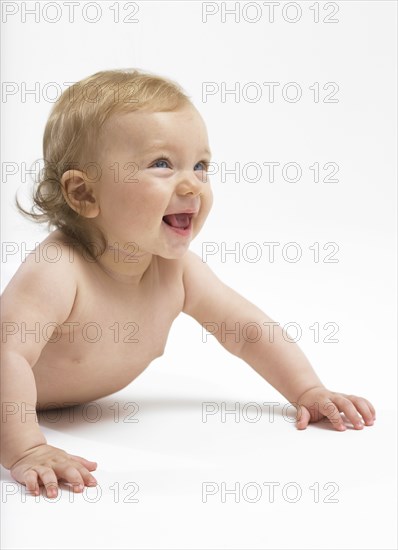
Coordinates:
x,y
170,452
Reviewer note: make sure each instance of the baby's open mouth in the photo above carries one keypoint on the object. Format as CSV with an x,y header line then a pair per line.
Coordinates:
x,y
180,221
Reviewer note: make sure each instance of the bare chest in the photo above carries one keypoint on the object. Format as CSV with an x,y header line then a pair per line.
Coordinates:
x,y
110,336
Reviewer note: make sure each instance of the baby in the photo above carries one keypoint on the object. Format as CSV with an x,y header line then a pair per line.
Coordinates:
x,y
125,184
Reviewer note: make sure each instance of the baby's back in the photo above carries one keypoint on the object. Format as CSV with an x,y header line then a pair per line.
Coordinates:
x,y
85,334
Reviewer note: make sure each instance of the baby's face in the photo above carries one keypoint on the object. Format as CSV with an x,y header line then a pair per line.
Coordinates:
x,y
153,164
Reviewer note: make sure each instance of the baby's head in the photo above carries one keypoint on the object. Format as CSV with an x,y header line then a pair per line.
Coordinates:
x,y
123,152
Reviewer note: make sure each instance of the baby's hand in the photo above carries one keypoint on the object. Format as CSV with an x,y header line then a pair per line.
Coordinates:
x,y
44,465
320,402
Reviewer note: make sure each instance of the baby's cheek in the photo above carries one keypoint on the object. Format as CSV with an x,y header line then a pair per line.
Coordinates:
x,y
208,199
199,222
206,205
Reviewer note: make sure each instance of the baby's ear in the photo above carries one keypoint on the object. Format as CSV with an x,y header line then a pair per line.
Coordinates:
x,y
79,193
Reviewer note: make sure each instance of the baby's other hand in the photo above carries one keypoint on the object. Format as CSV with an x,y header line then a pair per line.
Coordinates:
x,y
319,402
44,465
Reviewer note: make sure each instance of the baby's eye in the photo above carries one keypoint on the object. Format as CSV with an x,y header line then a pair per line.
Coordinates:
x,y
205,165
159,161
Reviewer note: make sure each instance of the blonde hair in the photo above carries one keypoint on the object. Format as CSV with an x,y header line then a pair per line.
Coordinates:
x,y
70,137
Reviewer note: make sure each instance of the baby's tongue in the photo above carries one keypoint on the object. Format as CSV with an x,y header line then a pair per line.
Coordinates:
x,y
177,220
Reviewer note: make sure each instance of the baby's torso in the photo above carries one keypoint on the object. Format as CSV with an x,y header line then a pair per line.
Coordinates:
x,y
111,335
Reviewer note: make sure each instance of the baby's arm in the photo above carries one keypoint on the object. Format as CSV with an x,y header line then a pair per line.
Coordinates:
x,y
281,363
40,292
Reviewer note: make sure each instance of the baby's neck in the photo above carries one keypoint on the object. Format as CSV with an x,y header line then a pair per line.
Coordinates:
x,y
125,267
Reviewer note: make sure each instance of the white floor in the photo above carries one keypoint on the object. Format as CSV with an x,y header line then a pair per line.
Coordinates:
x,y
172,481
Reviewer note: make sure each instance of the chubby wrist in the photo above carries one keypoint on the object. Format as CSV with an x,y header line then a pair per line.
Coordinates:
x,y
10,456
300,394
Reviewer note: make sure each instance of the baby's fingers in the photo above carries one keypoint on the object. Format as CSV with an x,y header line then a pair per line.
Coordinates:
x,y
349,410
364,408
89,464
87,477
48,478
303,417
30,479
330,410
70,474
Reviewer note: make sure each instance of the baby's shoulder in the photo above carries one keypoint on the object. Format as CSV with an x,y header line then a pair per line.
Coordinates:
x,y
57,248
52,258
44,285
